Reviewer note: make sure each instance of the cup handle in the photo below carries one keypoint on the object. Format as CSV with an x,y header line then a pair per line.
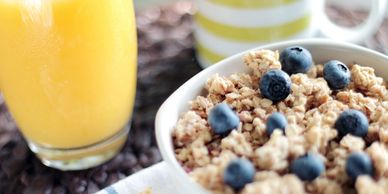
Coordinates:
x,y
355,34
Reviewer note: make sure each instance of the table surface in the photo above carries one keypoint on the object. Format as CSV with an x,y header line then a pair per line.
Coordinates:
x,y
166,60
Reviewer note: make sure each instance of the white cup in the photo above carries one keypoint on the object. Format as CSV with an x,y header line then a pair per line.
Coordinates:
x,y
227,27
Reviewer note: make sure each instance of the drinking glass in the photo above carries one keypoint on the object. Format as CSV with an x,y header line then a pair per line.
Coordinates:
x,y
68,76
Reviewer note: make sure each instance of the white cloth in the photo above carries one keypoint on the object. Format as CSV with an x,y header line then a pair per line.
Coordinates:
x,y
157,178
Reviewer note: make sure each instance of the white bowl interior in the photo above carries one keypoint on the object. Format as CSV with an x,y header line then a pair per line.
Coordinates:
x,y
322,50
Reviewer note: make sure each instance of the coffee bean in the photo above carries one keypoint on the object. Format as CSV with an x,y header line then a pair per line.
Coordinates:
x,y
20,151
114,177
127,147
3,185
144,160
136,168
141,139
149,157
154,155
92,187
77,185
12,166
9,146
59,190
25,178
115,163
39,184
130,160
100,177
38,167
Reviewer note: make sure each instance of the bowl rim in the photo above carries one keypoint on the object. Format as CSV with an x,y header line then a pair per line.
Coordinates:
x,y
163,136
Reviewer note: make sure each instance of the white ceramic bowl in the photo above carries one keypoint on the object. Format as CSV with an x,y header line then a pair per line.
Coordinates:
x,y
322,50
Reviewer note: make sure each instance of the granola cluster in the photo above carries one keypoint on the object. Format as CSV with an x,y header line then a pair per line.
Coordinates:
x,y
311,111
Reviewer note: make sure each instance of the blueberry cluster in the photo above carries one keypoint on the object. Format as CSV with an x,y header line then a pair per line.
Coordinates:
x,y
297,59
276,86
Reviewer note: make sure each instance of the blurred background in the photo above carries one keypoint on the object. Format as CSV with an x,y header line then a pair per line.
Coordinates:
x,y
140,4
350,4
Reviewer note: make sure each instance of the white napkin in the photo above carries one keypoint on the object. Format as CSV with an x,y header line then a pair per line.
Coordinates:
x,y
157,178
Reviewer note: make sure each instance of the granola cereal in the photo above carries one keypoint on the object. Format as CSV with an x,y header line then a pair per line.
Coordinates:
x,y
311,110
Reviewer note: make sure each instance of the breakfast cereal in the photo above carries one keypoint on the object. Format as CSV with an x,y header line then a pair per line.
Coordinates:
x,y
311,110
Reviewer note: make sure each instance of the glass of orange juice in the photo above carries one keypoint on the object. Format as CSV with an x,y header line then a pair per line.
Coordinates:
x,y
68,76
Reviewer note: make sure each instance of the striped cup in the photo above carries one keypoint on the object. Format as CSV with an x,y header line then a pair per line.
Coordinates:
x,y
226,27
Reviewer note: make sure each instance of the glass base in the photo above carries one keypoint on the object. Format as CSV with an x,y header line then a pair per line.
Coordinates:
x,y
83,157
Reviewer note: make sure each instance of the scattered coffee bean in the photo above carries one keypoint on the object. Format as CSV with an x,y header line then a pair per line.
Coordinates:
x,y
115,163
92,187
59,190
77,185
130,161
100,177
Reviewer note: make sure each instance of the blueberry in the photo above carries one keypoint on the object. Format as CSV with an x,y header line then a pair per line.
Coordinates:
x,y
276,121
238,173
296,59
358,163
336,74
223,119
275,85
308,167
352,122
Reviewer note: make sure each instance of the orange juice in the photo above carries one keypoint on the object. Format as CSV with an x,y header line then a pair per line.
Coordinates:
x,y
68,68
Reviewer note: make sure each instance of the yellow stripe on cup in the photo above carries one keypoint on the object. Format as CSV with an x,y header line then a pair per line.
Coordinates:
x,y
249,4
207,54
258,34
